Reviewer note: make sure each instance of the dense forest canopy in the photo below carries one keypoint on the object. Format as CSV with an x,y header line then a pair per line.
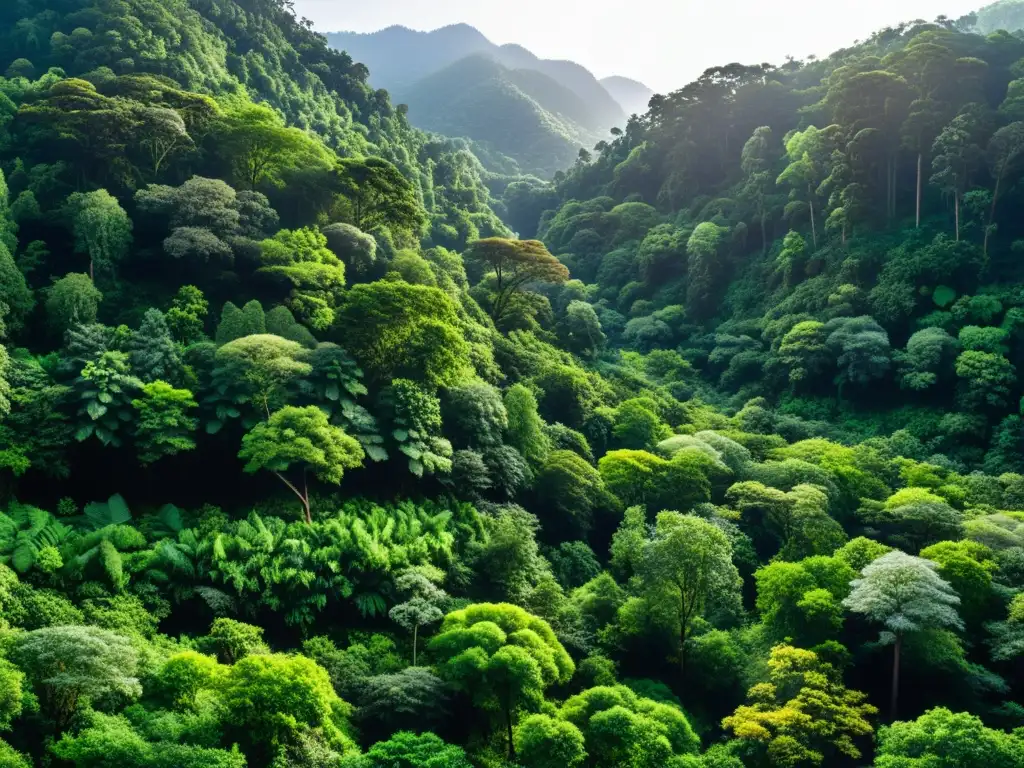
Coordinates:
x,y
327,442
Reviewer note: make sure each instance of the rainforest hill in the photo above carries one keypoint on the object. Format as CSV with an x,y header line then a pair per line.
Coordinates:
x,y
307,461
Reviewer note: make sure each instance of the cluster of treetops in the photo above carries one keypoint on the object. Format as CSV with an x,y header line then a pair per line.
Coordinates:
x,y
438,505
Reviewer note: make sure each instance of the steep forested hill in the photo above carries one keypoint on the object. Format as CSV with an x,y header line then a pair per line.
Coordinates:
x,y
521,113
865,202
306,461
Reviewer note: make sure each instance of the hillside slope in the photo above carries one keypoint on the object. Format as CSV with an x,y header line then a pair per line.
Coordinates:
x,y
877,188
521,113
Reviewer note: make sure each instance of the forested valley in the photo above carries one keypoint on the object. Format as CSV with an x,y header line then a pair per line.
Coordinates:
x,y
326,442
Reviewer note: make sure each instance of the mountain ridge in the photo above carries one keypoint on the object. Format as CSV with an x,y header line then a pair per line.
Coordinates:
x,y
560,104
462,40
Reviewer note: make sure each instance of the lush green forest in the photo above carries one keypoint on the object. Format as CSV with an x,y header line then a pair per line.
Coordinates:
x,y
307,461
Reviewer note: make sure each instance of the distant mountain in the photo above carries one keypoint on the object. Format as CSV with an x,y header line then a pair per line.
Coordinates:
x,y
519,112
632,96
1005,14
398,57
560,104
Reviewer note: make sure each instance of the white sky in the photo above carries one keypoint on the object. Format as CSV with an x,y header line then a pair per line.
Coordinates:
x,y
664,43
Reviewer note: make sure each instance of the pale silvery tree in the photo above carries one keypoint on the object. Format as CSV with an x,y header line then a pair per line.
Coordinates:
x,y
905,594
422,607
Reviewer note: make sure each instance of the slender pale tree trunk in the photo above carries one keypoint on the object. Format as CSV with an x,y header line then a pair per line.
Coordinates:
x,y
303,494
415,630
894,699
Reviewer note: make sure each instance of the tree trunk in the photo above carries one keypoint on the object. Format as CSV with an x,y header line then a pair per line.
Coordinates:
x,y
894,700
992,211
920,160
682,659
888,188
415,630
895,182
764,235
814,231
304,498
511,741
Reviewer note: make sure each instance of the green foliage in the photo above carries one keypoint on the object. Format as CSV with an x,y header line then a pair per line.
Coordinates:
x,y
25,532
621,728
545,742
102,230
780,336
571,487
163,426
775,717
501,656
68,665
10,758
942,738
301,437
412,750
525,427
395,329
416,418
105,391
109,741
187,316
72,300
271,698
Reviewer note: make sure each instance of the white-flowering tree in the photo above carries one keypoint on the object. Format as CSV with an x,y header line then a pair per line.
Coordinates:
x,y
905,594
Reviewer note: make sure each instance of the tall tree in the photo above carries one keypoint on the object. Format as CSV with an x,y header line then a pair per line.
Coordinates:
x,y
756,162
957,157
686,566
376,194
1005,159
703,267
260,148
904,594
422,606
515,264
808,153
303,438
102,230
503,657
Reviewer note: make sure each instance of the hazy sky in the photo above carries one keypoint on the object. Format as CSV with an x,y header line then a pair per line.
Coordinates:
x,y
664,43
